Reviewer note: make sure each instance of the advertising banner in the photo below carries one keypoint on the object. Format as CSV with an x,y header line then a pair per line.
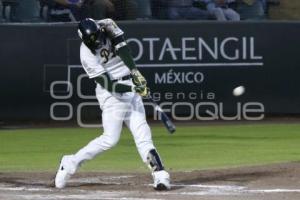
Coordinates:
x,y
191,68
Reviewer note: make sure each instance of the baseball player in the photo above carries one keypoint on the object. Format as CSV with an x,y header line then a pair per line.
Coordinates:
x,y
106,59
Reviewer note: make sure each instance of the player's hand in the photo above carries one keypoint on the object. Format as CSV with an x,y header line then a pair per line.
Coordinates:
x,y
137,78
142,90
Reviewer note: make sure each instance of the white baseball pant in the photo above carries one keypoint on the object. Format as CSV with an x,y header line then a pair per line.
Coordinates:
x,y
117,109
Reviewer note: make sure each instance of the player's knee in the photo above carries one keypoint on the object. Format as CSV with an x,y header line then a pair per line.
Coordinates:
x,y
141,127
114,142
109,142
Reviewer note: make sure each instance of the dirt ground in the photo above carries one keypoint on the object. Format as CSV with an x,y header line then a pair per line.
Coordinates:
x,y
269,182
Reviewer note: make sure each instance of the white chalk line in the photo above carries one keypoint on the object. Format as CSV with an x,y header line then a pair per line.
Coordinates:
x,y
222,187
209,190
29,189
79,197
91,195
196,190
83,194
102,180
275,191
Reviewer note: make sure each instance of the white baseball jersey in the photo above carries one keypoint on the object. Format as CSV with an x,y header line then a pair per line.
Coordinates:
x,y
105,59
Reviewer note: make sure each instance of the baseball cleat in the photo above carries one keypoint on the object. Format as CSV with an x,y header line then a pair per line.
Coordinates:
x,y
66,169
161,180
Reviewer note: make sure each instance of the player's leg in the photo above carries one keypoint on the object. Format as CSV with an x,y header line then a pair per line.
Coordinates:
x,y
215,11
136,122
231,14
112,119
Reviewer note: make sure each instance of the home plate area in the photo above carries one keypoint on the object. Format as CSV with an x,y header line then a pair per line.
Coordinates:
x,y
277,181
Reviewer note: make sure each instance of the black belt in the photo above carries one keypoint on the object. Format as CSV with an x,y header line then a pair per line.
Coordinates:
x,y
124,78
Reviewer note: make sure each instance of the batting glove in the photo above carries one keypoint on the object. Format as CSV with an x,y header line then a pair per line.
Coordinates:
x,y
137,78
141,90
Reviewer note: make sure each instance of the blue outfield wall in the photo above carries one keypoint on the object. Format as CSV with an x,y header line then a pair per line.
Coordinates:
x,y
191,68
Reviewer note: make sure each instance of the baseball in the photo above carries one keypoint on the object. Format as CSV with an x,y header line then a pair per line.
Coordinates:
x,y
238,91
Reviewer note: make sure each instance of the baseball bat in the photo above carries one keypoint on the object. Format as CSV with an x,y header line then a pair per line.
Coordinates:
x,y
164,118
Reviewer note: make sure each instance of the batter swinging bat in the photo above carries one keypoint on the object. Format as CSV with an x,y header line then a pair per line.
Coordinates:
x,y
164,118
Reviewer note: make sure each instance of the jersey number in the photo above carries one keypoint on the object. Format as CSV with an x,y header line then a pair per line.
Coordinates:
x,y
104,53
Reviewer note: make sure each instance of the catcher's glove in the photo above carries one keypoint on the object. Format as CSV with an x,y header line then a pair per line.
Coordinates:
x,y
137,78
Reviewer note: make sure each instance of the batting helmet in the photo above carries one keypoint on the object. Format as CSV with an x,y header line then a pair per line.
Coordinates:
x,y
90,33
